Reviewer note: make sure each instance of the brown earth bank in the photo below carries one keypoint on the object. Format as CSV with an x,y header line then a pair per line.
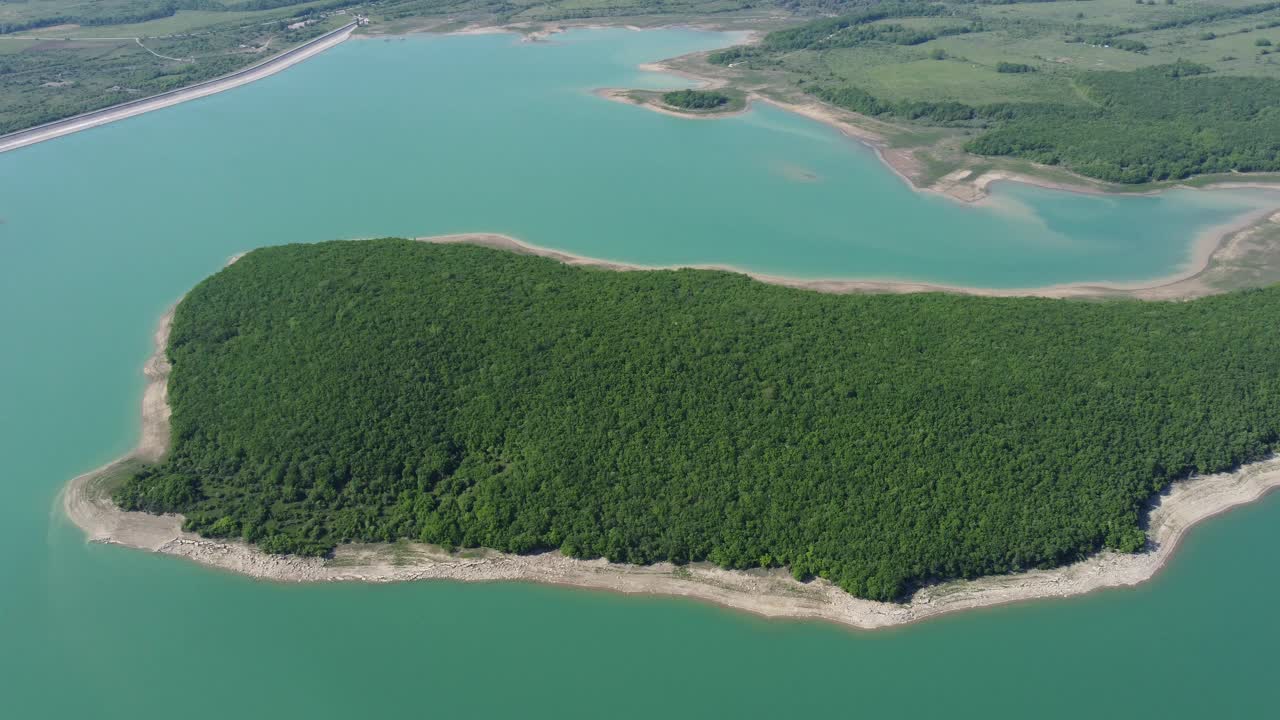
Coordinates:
x,y
86,501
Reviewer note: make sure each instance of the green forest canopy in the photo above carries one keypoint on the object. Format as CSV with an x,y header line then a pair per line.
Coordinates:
x,y
377,390
695,99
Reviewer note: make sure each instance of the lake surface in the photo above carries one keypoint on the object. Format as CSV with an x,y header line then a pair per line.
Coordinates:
x,y
101,231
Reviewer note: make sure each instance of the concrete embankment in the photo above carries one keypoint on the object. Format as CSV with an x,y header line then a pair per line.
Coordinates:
x,y
267,67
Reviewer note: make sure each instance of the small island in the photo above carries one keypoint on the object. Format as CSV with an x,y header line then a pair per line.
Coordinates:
x,y
468,397
696,104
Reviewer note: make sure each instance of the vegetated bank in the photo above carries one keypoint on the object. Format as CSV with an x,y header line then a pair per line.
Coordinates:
x,y
1053,86
376,390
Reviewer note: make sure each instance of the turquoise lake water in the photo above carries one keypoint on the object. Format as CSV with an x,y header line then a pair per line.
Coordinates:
x,y
102,230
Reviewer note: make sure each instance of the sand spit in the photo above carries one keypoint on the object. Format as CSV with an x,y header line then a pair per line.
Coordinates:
x,y
767,593
235,79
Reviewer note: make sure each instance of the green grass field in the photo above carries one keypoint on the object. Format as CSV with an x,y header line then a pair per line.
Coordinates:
x,y
1041,35
1081,85
185,21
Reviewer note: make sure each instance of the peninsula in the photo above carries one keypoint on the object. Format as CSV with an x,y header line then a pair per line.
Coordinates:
x,y
868,485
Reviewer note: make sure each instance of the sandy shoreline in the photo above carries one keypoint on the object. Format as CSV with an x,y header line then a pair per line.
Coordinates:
x,y
1179,286
962,185
92,119
767,593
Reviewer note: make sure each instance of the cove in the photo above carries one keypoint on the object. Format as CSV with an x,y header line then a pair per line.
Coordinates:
x,y
425,136
102,230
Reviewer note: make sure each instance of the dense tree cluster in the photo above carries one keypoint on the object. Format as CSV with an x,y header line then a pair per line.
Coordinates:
x,y
1126,44
823,7
943,112
695,99
1157,123
376,390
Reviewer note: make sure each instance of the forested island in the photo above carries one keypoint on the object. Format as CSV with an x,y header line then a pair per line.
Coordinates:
x,y
695,99
697,104
464,396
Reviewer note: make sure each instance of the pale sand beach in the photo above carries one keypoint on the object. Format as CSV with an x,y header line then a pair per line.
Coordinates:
x,y
1181,285
86,502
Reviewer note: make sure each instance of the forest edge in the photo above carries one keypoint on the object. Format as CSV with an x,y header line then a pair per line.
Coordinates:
x,y
769,593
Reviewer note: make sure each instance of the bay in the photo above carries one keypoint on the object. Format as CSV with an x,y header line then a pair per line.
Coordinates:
x,y
102,230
